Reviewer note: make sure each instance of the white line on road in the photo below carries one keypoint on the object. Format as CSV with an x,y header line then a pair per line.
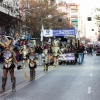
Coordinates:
x,y
22,84
89,90
9,92
91,74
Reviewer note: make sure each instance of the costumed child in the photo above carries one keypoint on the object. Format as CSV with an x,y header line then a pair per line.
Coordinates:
x,y
56,50
32,62
10,62
46,60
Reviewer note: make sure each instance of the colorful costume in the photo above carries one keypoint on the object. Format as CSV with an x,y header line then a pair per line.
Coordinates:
x,y
56,50
8,65
24,51
46,59
32,62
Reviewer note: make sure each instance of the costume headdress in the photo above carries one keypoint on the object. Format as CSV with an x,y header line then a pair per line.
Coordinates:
x,y
55,42
45,51
48,43
6,43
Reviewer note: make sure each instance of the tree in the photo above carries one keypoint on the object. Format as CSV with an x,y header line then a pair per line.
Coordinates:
x,y
43,12
97,18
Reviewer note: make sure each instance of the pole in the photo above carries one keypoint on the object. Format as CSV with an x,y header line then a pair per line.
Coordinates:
x,y
42,35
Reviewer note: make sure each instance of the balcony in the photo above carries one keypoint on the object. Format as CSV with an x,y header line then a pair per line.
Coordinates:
x,y
8,10
74,15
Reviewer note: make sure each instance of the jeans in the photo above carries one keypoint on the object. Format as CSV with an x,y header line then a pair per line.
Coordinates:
x,y
39,58
80,58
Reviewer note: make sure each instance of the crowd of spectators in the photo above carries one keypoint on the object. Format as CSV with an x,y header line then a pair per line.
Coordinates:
x,y
79,52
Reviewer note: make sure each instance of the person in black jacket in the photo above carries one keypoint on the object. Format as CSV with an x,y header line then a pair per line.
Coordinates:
x,y
39,51
80,53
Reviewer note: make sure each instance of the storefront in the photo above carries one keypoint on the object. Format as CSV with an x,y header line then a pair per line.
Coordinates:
x,y
8,24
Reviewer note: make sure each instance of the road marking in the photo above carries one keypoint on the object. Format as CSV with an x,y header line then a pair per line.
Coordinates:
x,y
91,74
20,86
9,92
89,90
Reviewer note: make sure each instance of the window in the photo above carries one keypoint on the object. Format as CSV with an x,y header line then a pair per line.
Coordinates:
x,y
89,19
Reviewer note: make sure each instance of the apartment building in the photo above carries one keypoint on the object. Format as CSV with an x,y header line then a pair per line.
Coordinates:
x,y
74,15
74,8
64,7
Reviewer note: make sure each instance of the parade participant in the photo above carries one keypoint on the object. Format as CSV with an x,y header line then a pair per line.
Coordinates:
x,y
56,50
8,64
24,51
32,62
46,59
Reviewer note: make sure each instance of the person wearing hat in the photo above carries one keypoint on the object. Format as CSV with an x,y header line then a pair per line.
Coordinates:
x,y
8,64
32,62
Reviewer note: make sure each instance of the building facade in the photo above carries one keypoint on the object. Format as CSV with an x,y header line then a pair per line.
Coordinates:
x,y
9,17
74,15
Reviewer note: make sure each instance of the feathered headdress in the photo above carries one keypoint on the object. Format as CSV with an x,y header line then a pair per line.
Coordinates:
x,y
7,44
55,42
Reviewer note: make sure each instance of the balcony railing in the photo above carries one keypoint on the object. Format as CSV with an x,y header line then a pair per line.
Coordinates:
x,y
12,11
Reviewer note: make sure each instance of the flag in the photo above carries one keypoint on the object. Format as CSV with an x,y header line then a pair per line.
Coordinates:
x,y
42,33
48,33
77,36
49,40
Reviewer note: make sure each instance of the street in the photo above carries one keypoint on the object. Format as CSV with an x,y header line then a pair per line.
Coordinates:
x,y
65,82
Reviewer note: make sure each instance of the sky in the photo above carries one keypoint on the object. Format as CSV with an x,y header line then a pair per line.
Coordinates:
x,y
86,5
87,10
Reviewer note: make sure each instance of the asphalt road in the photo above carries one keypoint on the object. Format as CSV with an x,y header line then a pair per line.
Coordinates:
x,y
65,82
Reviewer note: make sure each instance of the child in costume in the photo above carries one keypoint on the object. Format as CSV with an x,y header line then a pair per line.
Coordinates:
x,y
56,50
46,59
9,63
32,62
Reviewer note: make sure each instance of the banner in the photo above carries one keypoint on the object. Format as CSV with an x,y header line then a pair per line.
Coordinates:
x,y
48,33
65,32
67,57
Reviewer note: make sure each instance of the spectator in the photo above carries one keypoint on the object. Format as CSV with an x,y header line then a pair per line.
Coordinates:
x,y
90,49
80,53
39,51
